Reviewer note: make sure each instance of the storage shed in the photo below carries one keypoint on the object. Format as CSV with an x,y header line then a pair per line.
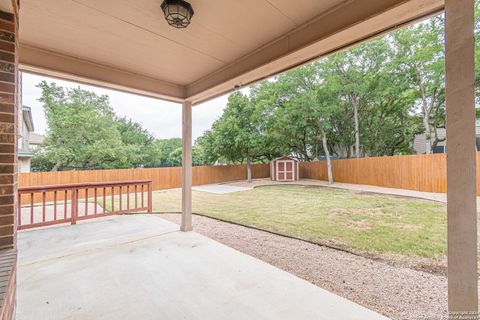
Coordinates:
x,y
285,169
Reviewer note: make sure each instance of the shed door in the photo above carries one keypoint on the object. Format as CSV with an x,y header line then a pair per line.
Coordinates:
x,y
284,170
289,170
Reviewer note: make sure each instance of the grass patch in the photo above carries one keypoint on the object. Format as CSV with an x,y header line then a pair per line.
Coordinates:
x,y
370,223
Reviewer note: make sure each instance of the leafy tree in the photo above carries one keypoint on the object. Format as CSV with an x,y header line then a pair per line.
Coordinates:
x,y
175,157
82,131
309,107
237,135
164,149
39,162
197,156
420,62
138,142
354,76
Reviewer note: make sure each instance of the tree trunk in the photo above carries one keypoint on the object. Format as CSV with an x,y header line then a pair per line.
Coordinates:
x,y
56,166
327,155
426,109
357,126
428,137
249,168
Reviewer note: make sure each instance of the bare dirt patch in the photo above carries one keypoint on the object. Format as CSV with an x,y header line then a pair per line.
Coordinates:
x,y
371,212
340,212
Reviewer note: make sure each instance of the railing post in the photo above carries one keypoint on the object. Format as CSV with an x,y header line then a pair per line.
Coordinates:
x,y
74,205
19,209
150,200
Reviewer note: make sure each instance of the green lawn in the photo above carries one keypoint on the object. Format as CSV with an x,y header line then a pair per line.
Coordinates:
x,y
364,223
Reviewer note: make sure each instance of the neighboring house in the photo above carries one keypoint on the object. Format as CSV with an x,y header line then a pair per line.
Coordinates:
x,y
420,141
36,139
27,140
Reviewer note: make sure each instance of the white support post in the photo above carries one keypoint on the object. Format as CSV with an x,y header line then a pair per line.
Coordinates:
x,y
461,159
186,167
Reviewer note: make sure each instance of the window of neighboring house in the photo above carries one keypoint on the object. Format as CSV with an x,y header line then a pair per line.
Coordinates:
x,y
477,122
439,149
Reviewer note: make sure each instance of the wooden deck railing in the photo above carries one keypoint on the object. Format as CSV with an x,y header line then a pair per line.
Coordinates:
x,y
80,201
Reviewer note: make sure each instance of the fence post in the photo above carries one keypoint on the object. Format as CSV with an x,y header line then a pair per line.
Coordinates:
x,y
150,200
74,205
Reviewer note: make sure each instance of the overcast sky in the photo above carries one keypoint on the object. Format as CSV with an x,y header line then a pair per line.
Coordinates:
x,y
161,118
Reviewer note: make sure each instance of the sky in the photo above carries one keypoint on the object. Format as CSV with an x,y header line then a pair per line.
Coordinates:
x,y
163,119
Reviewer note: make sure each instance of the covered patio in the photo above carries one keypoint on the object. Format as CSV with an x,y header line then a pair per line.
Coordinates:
x,y
128,46
143,267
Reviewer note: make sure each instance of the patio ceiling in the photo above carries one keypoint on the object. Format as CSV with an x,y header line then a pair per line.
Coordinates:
x,y
127,45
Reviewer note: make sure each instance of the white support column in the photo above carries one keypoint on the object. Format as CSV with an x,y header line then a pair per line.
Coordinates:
x,y
461,158
186,167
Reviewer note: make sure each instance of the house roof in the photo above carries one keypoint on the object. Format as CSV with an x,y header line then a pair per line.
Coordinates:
x,y
27,117
128,45
36,138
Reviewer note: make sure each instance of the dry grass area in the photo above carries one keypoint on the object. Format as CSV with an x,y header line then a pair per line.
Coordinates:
x,y
406,231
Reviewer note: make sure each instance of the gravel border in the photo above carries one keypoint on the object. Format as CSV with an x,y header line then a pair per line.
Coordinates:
x,y
395,291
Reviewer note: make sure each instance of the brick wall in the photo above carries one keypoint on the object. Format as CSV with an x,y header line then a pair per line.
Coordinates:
x,y
10,104
9,111
8,281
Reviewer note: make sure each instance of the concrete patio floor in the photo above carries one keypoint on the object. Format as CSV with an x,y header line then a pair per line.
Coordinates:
x,y
142,267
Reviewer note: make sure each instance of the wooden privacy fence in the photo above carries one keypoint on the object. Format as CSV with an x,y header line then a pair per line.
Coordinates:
x,y
162,178
414,172
80,201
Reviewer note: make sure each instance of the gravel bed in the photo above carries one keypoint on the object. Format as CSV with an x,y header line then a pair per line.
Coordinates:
x,y
397,292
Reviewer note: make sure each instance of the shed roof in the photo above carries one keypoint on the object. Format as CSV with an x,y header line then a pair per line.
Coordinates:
x,y
285,157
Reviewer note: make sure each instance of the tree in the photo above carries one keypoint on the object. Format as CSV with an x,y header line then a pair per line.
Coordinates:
x,y
197,156
237,136
137,141
289,121
299,112
420,62
82,131
164,149
353,76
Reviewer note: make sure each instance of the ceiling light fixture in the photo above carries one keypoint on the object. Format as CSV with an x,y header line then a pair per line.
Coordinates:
x,y
178,13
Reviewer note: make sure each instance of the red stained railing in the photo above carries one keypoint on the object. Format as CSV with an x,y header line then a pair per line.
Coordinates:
x,y
68,203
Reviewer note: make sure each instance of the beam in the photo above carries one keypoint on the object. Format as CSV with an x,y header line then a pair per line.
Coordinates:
x,y
64,67
350,23
461,159
186,167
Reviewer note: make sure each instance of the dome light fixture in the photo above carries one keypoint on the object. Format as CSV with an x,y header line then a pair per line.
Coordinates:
x,y
178,13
